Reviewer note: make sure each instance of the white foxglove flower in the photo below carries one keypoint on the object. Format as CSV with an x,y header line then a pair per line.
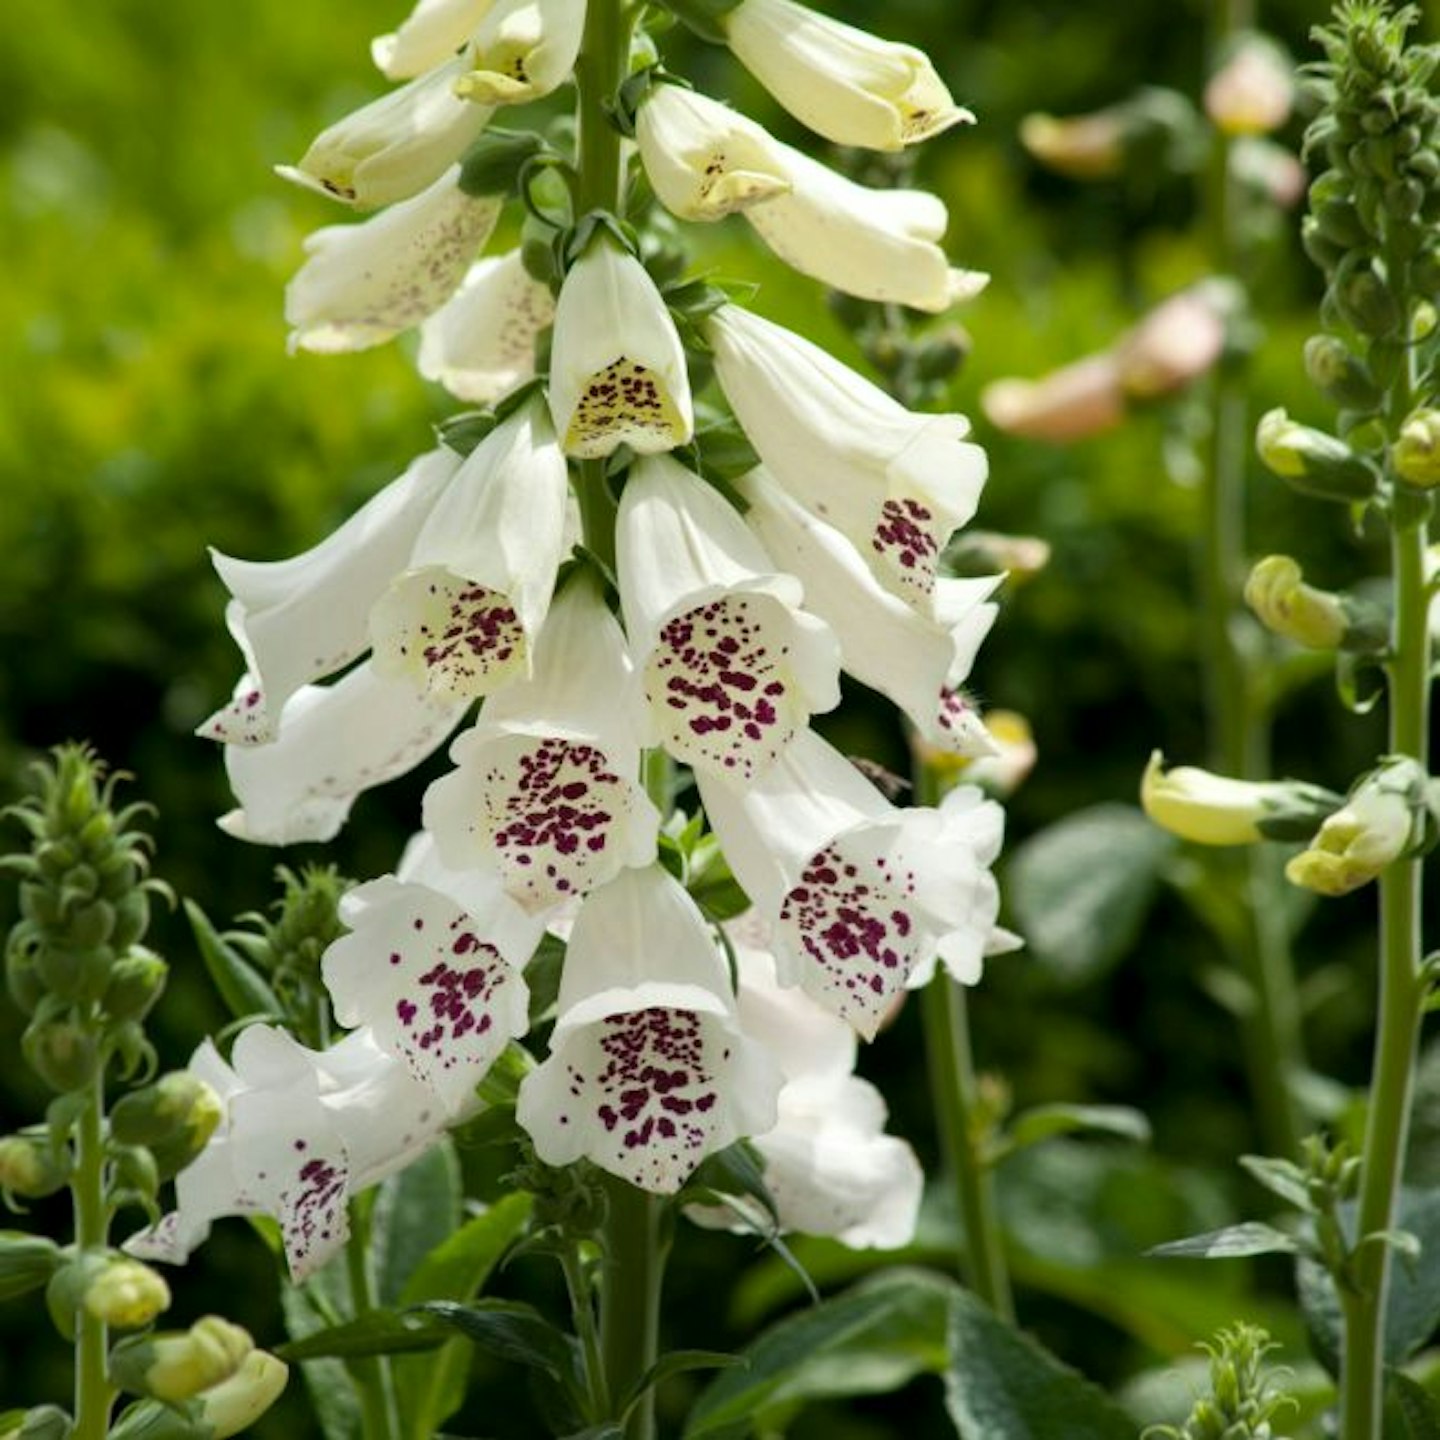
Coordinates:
x,y
480,344
462,618
439,984
617,368
861,894
916,661
303,1132
895,483
522,50
333,742
704,162
432,32
546,792
363,284
732,667
648,1072
395,146
843,83
305,617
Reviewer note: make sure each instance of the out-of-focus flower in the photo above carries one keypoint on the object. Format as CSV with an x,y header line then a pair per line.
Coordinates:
x,y
1021,557
521,51
617,369
648,1070
1373,829
1174,344
1416,453
843,83
1078,400
1270,169
395,146
480,344
432,32
1084,147
1284,604
1253,91
362,284
1000,774
731,666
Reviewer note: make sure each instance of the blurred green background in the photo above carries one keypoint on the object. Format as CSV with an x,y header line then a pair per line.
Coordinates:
x,y
148,409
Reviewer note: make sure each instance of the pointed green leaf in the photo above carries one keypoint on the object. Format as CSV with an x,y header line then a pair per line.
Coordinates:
x,y
513,1331
377,1332
1281,1177
414,1212
241,986
1232,1243
1046,1121
678,1362
1419,1409
1001,1385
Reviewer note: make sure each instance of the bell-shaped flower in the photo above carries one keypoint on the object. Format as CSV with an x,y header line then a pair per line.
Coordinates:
x,y
333,742
395,146
432,32
916,661
704,161
732,668
364,283
617,368
648,1071
462,618
303,1132
844,83
438,983
480,344
546,792
302,618
862,895
895,483
522,50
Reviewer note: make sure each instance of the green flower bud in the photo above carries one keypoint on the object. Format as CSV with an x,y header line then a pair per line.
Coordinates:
x,y
177,1106
1338,375
136,981
1374,828
237,1403
22,974
26,1262
62,1052
126,1294
1288,607
45,1422
136,1170
74,973
31,1169
1364,300
132,919
91,924
1416,454
176,1365
1313,462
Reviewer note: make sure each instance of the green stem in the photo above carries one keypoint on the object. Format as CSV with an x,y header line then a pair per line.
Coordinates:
x,y
633,1269
379,1405
93,1395
1402,997
953,1090
582,1310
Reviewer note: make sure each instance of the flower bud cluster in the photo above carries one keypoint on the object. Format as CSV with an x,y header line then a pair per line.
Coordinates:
x,y
1245,1396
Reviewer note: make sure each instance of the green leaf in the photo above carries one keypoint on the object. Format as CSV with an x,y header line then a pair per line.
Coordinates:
x,y
241,986
1281,1177
1080,889
321,1302
414,1212
1043,1122
514,1331
1419,1410
678,1362
542,976
868,1341
1001,1385
1232,1243
377,1332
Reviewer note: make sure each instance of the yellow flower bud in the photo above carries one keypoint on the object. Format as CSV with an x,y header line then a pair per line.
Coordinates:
x,y
1207,808
1416,454
1359,840
179,1364
31,1168
1285,605
238,1402
1315,463
126,1294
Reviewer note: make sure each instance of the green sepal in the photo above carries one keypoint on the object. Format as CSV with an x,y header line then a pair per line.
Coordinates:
x,y
493,164
152,1420
46,1422
704,17
633,91
588,226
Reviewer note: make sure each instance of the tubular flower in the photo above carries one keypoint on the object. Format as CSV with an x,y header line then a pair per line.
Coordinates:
x,y
917,662
862,896
480,344
462,618
732,668
1207,808
895,483
1074,402
522,50
304,1130
394,146
432,32
437,982
305,617
545,794
648,1071
617,368
843,83
705,161
363,284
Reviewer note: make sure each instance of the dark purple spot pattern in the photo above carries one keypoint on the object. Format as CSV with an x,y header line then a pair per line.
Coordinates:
x,y
718,683
651,1100
551,820
850,915
459,638
625,403
311,1210
906,542
244,721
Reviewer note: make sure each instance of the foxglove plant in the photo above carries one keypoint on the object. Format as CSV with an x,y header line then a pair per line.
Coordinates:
x,y
574,559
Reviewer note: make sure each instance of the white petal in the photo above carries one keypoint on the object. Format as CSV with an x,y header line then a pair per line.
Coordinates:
x,y
334,742
363,284
480,344
305,617
806,1040
245,718
617,369
395,146
429,35
423,975
522,50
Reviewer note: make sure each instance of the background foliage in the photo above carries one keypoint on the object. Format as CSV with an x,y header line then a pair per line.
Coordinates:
x,y
150,409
